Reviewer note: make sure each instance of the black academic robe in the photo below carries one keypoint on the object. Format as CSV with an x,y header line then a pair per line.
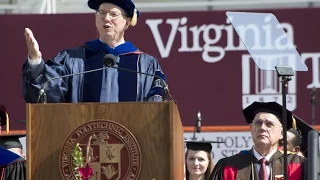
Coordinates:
x,y
242,167
14,171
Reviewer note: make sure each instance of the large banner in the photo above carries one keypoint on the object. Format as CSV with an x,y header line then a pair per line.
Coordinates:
x,y
207,68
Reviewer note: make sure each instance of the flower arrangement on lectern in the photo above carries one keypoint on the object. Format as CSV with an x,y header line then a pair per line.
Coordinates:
x,y
82,168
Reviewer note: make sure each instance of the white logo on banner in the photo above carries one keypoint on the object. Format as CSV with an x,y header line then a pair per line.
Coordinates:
x,y
213,51
198,38
266,86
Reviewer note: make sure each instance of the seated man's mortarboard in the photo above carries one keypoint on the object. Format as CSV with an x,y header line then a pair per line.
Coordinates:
x,y
268,107
9,141
304,129
127,5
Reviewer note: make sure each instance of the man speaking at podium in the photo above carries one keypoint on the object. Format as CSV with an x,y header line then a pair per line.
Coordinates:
x,y
112,19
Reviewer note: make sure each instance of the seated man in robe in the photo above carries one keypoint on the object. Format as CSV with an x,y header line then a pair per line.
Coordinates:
x,y
294,140
12,160
15,168
264,161
297,137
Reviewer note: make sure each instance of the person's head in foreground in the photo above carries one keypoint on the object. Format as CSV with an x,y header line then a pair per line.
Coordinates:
x,y
198,160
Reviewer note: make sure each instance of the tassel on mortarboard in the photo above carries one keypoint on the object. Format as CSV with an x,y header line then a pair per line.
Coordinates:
x,y
134,18
8,124
294,123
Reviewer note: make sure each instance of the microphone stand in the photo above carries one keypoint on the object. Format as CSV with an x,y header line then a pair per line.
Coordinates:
x,y
285,73
42,92
313,105
194,133
196,127
42,96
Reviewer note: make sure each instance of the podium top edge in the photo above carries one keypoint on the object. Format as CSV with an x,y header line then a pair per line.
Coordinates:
x,y
104,103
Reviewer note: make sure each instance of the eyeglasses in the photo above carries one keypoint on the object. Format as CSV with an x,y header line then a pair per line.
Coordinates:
x,y
270,125
112,15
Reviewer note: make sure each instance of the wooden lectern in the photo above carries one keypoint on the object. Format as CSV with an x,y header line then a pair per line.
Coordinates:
x,y
155,125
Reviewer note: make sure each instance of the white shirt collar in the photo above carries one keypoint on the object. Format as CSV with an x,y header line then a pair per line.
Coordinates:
x,y
258,156
122,42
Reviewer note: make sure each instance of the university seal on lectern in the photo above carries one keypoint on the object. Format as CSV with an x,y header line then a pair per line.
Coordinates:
x,y
100,150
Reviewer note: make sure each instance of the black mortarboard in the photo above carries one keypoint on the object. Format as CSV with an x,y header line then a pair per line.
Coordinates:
x,y
304,129
8,141
200,145
270,107
127,5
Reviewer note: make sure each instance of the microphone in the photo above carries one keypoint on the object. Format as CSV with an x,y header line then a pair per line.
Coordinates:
x,y
42,91
109,60
198,122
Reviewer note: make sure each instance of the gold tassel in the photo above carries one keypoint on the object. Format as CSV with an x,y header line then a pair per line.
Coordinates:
x,y
7,126
294,123
134,18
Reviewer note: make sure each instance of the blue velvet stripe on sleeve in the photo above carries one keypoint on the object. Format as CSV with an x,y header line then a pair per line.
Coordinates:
x,y
156,90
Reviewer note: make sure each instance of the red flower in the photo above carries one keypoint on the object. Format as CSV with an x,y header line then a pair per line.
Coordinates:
x,y
86,172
